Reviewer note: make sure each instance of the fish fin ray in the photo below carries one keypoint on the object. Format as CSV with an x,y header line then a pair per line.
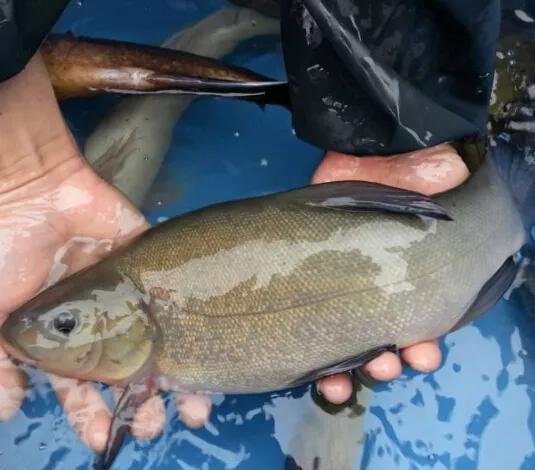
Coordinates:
x,y
133,396
491,292
344,366
361,196
261,92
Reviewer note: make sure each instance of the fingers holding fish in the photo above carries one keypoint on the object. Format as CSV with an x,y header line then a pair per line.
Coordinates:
x,y
12,387
194,409
149,418
86,410
384,368
337,388
423,357
427,171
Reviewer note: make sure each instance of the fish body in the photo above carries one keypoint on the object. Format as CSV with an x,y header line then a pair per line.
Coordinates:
x,y
88,66
261,294
128,146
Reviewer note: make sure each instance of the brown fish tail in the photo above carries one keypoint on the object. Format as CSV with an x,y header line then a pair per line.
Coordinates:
x,y
86,67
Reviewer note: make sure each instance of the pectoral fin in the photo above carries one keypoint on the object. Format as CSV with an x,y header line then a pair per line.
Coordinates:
x,y
360,196
491,292
133,396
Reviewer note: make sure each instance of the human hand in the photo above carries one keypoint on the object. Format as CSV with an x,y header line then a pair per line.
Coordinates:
x,y
56,217
68,218
428,171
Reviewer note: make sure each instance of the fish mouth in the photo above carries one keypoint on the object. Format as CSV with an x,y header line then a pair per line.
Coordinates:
x,y
16,353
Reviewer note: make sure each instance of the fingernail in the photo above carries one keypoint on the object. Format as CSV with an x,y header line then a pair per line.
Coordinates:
x,y
423,364
98,441
384,368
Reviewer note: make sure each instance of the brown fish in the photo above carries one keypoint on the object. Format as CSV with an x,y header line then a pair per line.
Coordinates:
x,y
81,67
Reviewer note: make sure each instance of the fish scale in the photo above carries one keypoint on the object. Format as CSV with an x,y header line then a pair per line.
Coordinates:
x,y
260,294
254,308
266,293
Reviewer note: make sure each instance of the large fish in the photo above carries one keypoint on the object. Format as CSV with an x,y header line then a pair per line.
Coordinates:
x,y
266,293
128,146
88,67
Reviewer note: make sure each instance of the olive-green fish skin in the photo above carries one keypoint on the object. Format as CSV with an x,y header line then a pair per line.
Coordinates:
x,y
251,295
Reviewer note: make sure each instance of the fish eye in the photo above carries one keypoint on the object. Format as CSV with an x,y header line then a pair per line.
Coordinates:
x,y
65,323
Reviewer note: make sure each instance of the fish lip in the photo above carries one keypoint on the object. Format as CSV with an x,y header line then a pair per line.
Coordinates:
x,y
16,353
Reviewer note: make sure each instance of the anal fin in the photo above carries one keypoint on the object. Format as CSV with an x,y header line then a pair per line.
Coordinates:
x,y
344,366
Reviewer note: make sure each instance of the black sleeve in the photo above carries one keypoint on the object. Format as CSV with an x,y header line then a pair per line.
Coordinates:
x,y
388,76
23,26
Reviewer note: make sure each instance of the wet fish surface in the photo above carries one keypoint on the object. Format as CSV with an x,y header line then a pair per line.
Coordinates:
x,y
89,66
262,294
266,293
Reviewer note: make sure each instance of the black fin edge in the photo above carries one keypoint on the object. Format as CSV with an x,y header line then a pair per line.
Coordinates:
x,y
344,366
491,292
360,196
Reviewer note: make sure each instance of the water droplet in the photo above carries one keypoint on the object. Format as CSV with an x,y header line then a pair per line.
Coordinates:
x,y
236,134
432,457
79,3
293,131
159,203
263,162
42,446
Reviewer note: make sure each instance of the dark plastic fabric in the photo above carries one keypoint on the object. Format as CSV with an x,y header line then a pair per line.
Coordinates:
x,y
367,76
23,26
389,76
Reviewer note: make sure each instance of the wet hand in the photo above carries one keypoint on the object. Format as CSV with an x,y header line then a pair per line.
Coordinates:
x,y
57,217
428,171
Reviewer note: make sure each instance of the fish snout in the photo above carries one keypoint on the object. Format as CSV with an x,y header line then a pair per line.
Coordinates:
x,y
12,328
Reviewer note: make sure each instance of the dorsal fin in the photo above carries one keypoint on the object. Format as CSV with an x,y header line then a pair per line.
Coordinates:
x,y
361,196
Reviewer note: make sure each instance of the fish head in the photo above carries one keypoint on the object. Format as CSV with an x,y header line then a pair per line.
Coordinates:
x,y
86,330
